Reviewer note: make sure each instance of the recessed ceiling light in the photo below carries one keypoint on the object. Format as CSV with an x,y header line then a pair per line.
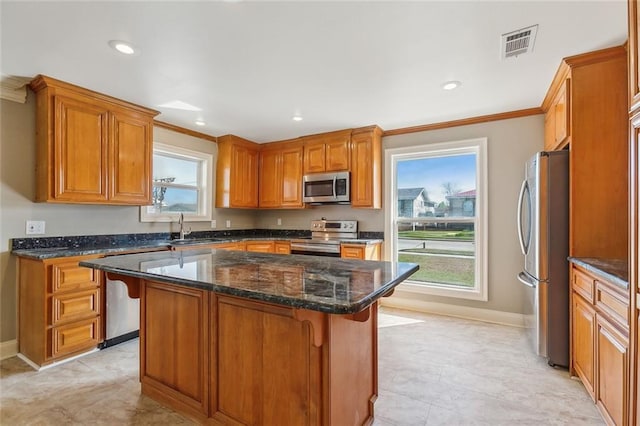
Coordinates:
x,y
200,123
297,118
123,47
450,85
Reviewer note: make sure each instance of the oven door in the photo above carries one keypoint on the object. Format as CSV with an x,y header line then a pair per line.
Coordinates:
x,y
315,249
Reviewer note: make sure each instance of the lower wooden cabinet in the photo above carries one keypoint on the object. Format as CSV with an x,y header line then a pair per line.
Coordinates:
x,y
600,343
360,251
583,342
283,247
60,308
613,372
260,246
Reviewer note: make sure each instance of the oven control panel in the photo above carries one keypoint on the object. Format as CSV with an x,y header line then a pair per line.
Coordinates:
x,y
334,225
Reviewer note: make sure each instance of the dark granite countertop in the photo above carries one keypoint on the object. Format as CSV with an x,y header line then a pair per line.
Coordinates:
x,y
54,247
330,285
615,271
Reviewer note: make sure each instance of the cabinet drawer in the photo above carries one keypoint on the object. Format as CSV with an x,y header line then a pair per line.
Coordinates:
x,y
74,306
583,284
283,248
75,336
263,247
352,252
615,305
70,276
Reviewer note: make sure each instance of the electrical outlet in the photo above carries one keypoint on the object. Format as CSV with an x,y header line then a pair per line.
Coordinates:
x,y
279,221
35,227
228,223
213,223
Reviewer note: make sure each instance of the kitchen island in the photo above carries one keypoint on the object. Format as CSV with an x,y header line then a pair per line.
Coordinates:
x,y
258,339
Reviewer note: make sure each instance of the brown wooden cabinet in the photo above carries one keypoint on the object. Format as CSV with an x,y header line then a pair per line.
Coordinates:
x,y
281,175
588,98
600,343
583,342
282,247
260,246
360,251
556,121
60,308
327,152
613,371
366,167
237,173
91,148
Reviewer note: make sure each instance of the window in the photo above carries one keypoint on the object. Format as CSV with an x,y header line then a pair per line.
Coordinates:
x,y
447,235
181,184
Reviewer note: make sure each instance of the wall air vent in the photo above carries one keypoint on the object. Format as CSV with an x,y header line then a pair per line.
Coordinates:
x,y
518,42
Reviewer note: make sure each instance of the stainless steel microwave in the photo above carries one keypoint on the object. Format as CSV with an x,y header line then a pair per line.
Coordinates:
x,y
327,188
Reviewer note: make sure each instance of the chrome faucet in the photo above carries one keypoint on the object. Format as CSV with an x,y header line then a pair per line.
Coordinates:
x,y
183,233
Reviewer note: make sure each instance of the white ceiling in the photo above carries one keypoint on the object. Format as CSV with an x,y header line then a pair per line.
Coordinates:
x,y
250,66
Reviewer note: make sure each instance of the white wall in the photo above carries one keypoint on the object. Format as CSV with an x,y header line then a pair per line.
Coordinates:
x,y
510,143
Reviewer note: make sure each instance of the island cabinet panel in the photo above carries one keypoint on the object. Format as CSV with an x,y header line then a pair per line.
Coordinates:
x,y
268,369
174,342
91,148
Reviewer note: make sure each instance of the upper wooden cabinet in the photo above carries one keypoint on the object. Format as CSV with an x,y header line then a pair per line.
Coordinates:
x,y
91,148
556,120
237,173
281,175
327,152
589,91
366,167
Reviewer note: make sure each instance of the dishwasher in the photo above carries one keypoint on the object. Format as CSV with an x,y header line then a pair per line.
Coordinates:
x,y
122,314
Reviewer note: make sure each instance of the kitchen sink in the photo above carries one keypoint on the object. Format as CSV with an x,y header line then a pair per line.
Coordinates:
x,y
193,241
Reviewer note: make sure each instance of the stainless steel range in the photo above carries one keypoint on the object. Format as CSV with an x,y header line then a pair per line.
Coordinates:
x,y
326,236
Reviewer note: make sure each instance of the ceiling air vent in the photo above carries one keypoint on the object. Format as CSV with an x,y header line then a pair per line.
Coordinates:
x,y
518,42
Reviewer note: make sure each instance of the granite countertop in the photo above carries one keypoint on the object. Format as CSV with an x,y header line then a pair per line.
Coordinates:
x,y
330,285
83,246
615,271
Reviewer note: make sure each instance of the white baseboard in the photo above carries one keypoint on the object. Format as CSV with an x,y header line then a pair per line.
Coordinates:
x,y
8,349
478,314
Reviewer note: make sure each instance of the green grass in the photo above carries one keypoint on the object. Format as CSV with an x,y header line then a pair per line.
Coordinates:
x,y
438,235
439,251
438,269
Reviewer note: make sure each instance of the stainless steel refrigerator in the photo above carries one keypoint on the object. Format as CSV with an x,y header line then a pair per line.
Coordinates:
x,y
543,230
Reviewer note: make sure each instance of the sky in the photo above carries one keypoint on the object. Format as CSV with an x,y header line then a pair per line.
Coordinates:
x,y
432,172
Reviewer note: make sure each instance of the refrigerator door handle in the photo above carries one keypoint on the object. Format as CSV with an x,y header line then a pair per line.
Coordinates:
x,y
526,280
519,218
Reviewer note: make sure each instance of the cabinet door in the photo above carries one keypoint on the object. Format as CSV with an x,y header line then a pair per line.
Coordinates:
x,y
550,130
561,109
583,342
130,154
314,157
260,246
366,173
80,160
633,52
244,177
337,152
613,373
270,178
292,177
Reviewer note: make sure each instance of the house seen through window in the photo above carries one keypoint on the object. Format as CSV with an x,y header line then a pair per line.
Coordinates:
x,y
435,218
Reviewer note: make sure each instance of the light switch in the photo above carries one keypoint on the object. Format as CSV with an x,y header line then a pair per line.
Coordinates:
x,y
228,223
35,227
279,221
213,223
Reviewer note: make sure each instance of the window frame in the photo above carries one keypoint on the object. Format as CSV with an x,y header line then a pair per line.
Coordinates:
x,y
477,146
204,186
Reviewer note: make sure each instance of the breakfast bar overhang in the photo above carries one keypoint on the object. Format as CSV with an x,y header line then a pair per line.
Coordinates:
x,y
238,338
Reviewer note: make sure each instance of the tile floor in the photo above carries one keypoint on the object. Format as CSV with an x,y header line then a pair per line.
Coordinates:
x,y
434,370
